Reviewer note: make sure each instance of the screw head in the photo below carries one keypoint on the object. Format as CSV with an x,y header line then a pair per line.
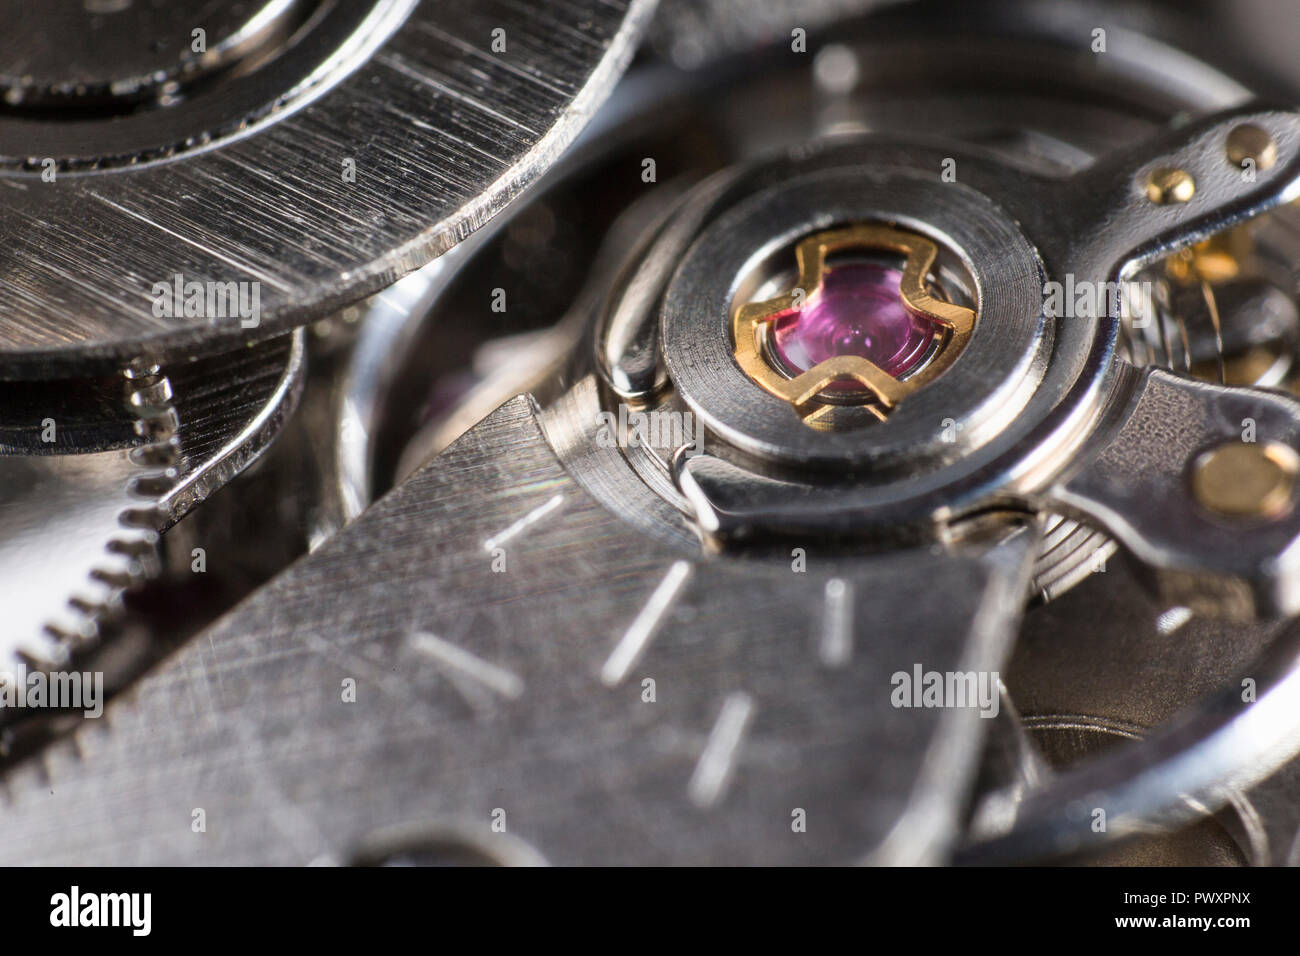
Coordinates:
x,y
1246,479
1251,142
1168,185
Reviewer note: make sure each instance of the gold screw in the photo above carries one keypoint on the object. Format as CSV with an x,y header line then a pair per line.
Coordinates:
x,y
1168,185
1249,142
1246,480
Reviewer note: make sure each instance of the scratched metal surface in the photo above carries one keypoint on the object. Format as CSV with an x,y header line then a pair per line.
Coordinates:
x,y
443,132
517,697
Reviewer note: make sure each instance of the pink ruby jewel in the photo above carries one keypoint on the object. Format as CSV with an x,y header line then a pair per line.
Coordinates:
x,y
857,310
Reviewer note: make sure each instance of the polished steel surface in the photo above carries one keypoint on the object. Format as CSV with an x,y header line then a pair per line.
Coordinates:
x,y
109,55
352,157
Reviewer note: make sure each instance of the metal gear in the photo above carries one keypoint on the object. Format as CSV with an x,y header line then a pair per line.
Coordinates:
x,y
354,149
84,498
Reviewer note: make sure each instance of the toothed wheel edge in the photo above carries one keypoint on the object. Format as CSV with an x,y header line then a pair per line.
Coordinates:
x,y
131,555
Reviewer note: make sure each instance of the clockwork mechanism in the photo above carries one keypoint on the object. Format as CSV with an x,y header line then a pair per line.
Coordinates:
x,y
874,439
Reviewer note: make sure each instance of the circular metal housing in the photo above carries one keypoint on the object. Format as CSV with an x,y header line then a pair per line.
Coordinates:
x,y
1001,364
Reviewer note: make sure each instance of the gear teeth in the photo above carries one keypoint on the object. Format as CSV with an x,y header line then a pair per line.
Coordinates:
x,y
161,454
131,555
136,543
154,486
152,392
